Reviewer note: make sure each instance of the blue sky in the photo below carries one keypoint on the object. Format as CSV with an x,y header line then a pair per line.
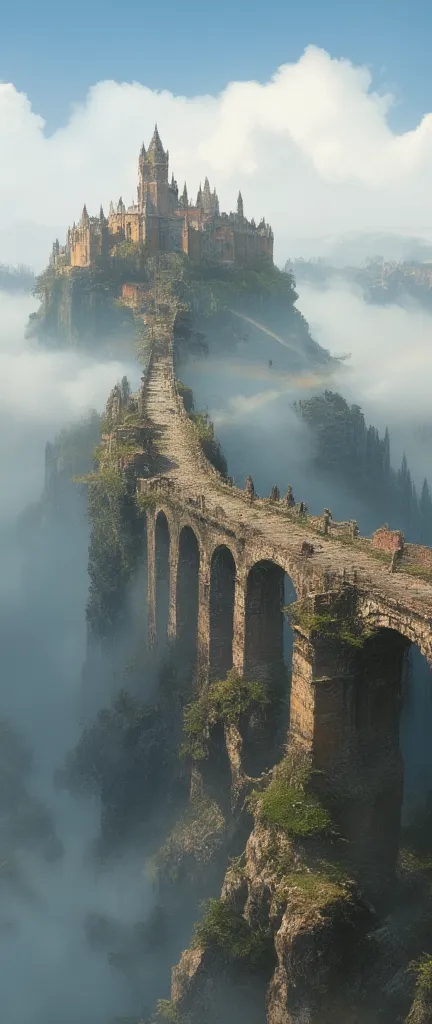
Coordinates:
x,y
54,51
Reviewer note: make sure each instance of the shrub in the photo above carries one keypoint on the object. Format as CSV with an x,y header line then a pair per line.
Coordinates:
x,y
224,929
224,702
288,805
296,812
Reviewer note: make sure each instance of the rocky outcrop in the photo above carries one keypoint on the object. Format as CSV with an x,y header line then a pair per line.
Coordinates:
x,y
289,918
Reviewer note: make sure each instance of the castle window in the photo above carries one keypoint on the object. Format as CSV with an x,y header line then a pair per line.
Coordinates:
x,y
128,231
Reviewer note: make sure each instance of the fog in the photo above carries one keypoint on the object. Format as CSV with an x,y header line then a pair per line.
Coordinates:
x,y
390,368
388,375
49,971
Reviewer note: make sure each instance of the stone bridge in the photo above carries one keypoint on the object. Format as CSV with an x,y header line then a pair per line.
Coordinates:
x,y
217,562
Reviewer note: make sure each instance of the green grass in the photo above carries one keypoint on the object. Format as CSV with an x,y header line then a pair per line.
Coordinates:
x,y
223,702
296,812
421,1009
167,1013
314,889
423,972
416,570
348,629
223,929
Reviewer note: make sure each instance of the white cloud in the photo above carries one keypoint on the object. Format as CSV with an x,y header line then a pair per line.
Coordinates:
x,y
311,149
42,391
390,368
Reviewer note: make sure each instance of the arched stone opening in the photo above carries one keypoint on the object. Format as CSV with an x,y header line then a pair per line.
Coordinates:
x,y
358,745
162,541
222,590
415,735
268,636
187,599
268,658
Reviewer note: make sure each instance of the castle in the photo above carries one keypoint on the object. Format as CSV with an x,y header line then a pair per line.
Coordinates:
x,y
163,221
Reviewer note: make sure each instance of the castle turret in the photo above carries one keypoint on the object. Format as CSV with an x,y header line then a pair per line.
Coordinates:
x,y
153,177
240,212
184,201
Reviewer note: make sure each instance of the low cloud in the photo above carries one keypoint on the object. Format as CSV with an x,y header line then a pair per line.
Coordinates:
x,y
41,392
390,368
311,149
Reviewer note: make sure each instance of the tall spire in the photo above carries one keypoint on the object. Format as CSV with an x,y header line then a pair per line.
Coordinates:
x,y
84,215
184,198
156,148
240,205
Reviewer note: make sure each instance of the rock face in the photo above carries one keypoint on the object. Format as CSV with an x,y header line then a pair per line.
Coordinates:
x,y
312,927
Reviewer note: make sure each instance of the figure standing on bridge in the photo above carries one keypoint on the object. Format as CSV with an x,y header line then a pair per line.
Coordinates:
x,y
289,498
327,516
250,488
275,493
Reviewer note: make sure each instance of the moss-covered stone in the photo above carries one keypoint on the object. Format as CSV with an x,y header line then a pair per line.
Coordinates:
x,y
225,702
223,929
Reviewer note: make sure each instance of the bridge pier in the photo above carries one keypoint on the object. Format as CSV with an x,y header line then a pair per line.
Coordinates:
x,y
151,579
173,581
203,631
345,705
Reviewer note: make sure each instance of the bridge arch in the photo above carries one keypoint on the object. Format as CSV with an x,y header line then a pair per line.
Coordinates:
x,y
187,597
268,648
222,594
359,719
162,576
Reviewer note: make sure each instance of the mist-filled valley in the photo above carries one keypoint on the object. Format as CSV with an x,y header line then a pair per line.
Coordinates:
x,y
251,383
84,934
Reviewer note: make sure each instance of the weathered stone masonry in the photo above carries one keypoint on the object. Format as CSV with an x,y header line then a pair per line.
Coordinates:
x,y
345,699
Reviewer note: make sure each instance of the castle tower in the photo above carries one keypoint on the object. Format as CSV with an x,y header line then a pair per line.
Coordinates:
x,y
240,212
207,200
153,175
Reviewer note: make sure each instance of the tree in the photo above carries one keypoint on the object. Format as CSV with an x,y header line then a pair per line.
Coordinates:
x,y
125,391
425,507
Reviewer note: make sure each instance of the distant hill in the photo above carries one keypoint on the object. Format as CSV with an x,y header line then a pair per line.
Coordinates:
x,y
355,248
16,279
28,243
382,282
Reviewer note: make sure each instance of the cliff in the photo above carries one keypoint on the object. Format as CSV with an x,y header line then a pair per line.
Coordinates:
x,y
287,934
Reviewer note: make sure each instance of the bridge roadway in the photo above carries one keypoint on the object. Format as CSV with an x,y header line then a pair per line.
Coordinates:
x,y
345,701
397,600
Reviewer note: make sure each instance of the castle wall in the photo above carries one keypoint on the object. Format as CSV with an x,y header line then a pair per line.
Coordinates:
x,y
388,540
159,224
251,245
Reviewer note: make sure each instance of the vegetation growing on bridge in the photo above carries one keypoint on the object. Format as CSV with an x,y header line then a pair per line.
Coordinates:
x,y
340,624
225,702
205,430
